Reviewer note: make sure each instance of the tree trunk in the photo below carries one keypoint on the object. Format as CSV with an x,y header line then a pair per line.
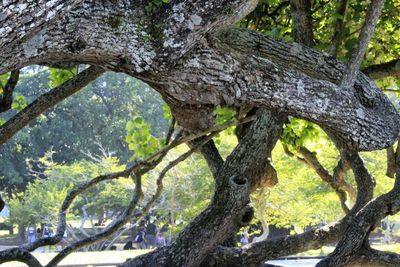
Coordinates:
x,y
21,237
229,209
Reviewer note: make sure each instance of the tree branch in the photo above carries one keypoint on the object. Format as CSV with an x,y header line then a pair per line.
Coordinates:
x,y
368,28
211,155
16,254
336,181
355,239
46,101
383,70
109,230
8,89
302,22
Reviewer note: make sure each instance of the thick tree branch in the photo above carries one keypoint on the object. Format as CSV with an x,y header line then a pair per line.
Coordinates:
x,y
7,91
355,239
24,256
259,79
233,185
46,101
370,257
261,72
151,40
374,10
383,70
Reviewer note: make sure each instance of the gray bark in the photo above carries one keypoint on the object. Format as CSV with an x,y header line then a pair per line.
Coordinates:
x,y
229,209
236,67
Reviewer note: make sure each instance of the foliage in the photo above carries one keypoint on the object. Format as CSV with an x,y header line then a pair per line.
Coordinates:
x,y
43,197
155,4
59,76
139,138
96,115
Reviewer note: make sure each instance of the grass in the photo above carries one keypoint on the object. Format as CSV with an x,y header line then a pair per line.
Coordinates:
x,y
391,248
107,257
3,232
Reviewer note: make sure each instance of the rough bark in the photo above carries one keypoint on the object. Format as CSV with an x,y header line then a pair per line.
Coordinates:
x,y
374,258
234,74
257,253
235,68
229,209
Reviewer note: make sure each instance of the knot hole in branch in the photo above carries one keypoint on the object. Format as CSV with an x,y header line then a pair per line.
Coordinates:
x,y
237,180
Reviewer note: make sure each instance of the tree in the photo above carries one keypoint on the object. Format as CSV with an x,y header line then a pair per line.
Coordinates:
x,y
186,51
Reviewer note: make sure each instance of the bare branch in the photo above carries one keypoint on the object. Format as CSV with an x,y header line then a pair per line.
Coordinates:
x,y
354,63
46,101
335,182
109,230
170,131
390,162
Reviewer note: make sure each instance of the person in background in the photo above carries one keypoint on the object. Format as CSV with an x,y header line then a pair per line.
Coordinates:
x,y
151,231
31,234
140,238
160,239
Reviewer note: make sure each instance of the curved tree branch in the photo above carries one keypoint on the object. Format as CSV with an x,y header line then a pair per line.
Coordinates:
x,y
48,100
109,230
